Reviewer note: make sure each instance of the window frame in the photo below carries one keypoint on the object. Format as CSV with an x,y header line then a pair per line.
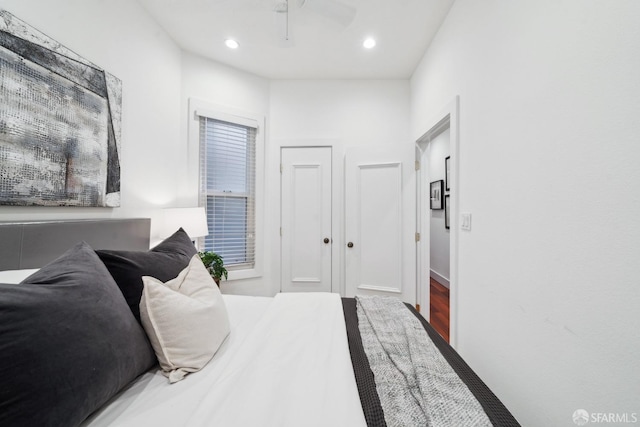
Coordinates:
x,y
199,108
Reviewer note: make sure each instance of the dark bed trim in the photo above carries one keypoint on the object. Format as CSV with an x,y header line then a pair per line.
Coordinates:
x,y
497,413
369,399
32,244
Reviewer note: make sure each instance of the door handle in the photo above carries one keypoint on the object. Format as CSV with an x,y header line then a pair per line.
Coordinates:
x,y
326,240
350,244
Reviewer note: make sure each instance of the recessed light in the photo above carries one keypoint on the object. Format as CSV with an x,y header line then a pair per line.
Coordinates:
x,y
231,44
369,43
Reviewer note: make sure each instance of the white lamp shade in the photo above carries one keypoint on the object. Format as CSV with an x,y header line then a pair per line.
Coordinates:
x,y
192,220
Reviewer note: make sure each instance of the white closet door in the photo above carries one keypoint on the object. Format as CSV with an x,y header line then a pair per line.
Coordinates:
x,y
306,219
373,225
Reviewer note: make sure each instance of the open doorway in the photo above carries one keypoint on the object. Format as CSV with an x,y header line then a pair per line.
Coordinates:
x,y
436,213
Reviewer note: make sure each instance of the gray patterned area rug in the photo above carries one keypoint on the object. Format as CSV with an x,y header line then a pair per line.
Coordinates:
x,y
416,385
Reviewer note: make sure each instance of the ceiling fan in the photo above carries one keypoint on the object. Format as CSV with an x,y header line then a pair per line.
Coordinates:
x,y
333,10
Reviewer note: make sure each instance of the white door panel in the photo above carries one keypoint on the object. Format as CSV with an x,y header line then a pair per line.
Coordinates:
x,y
379,230
374,223
306,219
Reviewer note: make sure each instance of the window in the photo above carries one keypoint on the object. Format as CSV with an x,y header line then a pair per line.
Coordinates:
x,y
228,188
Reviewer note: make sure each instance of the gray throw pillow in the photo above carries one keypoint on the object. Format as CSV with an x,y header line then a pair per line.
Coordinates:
x,y
164,262
68,342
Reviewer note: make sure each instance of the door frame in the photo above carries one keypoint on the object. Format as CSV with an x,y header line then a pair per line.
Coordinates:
x,y
448,117
336,193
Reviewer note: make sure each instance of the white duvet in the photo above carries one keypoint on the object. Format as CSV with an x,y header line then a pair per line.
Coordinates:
x,y
285,363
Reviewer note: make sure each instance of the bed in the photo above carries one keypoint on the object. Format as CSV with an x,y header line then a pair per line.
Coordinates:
x,y
310,359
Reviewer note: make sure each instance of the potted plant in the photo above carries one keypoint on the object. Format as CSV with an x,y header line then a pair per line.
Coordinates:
x,y
214,264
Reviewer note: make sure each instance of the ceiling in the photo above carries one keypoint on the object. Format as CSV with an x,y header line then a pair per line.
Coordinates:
x,y
320,46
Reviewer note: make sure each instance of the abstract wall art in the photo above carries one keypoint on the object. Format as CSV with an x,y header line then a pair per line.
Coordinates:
x,y
60,126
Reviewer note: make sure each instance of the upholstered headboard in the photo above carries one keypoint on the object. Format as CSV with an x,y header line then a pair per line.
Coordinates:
x,y
32,244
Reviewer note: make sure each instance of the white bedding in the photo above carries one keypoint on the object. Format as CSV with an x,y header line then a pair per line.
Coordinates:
x,y
15,276
285,363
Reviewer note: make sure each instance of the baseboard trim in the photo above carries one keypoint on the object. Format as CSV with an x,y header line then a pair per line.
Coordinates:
x,y
439,278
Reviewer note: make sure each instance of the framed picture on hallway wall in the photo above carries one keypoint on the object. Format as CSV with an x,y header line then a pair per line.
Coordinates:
x,y
436,195
447,212
447,164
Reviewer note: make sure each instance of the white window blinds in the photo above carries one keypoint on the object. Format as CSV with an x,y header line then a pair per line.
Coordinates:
x,y
228,171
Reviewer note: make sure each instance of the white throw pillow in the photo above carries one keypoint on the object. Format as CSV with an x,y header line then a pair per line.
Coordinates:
x,y
185,318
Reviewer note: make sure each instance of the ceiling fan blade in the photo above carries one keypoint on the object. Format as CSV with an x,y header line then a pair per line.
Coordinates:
x,y
333,10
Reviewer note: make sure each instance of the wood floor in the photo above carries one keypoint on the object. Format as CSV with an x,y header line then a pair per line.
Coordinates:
x,y
439,310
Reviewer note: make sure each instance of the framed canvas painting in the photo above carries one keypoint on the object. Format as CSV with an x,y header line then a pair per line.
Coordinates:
x,y
60,134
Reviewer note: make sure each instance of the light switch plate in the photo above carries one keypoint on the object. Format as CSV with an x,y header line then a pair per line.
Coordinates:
x,y
465,221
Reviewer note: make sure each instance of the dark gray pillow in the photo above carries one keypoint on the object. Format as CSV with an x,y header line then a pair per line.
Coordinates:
x,y
164,262
68,342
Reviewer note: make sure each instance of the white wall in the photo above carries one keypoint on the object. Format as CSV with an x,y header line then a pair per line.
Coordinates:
x,y
439,244
120,37
340,113
549,98
157,165
548,277
232,90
